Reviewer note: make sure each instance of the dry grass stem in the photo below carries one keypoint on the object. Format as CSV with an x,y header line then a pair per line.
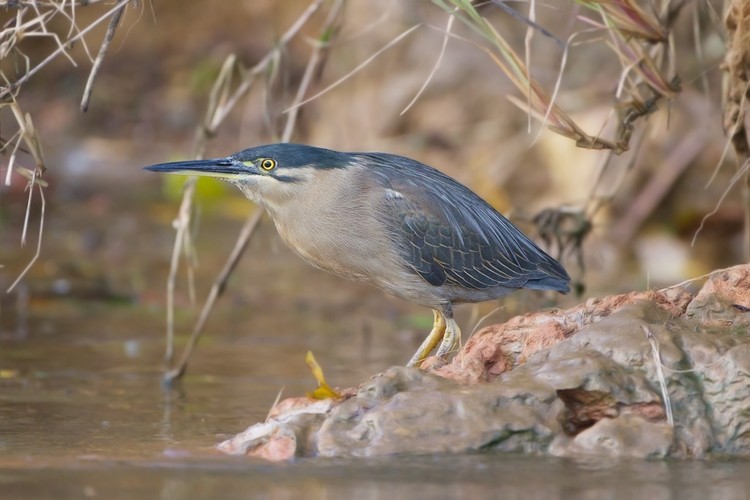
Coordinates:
x,y
221,101
181,225
275,402
627,17
527,60
30,21
436,66
39,238
743,171
656,352
478,323
15,37
538,104
317,59
113,23
358,68
216,290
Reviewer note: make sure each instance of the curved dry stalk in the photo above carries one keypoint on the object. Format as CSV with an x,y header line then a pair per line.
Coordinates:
x,y
219,104
27,134
481,320
558,80
221,101
38,251
361,66
743,170
181,224
446,37
527,60
61,49
216,290
12,161
263,64
691,280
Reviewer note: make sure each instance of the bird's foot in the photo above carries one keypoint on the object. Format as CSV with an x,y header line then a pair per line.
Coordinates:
x,y
435,336
451,340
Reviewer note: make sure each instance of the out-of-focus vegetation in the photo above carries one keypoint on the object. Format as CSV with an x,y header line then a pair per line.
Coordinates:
x,y
601,121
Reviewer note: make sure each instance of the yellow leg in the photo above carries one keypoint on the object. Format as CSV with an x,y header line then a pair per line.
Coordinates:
x,y
435,336
452,338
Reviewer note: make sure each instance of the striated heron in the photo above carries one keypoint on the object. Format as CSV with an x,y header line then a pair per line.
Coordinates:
x,y
390,221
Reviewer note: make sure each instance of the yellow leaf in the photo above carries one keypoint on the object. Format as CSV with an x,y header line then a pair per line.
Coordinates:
x,y
324,391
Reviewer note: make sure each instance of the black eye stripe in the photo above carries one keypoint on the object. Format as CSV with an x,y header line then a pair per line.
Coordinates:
x,y
286,178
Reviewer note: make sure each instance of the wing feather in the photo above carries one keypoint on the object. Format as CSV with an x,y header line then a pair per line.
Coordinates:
x,y
449,235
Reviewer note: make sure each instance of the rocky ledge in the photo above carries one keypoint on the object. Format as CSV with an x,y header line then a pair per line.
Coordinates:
x,y
646,374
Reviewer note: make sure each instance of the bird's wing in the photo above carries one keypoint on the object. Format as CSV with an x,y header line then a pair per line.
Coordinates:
x,y
449,235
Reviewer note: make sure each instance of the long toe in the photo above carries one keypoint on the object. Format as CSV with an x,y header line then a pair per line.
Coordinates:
x,y
451,340
436,335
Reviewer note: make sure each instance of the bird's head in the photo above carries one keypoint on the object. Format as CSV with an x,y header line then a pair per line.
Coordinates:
x,y
268,174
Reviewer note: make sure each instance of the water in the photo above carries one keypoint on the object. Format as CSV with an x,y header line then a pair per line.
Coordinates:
x,y
83,413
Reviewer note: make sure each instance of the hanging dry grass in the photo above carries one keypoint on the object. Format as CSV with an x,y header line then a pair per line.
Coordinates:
x,y
30,21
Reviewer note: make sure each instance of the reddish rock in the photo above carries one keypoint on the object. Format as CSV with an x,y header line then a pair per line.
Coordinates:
x,y
587,380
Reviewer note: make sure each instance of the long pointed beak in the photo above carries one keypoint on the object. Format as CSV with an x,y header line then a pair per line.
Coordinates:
x,y
222,168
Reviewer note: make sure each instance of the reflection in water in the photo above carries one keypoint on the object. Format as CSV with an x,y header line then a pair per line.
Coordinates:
x,y
467,476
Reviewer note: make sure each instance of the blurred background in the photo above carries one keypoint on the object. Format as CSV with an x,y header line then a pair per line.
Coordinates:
x,y
152,93
95,299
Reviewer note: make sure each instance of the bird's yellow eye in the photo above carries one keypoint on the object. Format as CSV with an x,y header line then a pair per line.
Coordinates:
x,y
267,164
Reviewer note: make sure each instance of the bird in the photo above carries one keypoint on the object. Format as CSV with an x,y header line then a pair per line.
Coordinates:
x,y
390,221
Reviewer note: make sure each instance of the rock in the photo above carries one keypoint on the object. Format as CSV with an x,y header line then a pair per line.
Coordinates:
x,y
279,437
433,415
629,436
645,374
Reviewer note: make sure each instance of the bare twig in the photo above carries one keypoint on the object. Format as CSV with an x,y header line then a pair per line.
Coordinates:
x,y
28,209
219,103
61,49
330,29
481,320
216,290
697,278
32,20
181,223
113,23
263,64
